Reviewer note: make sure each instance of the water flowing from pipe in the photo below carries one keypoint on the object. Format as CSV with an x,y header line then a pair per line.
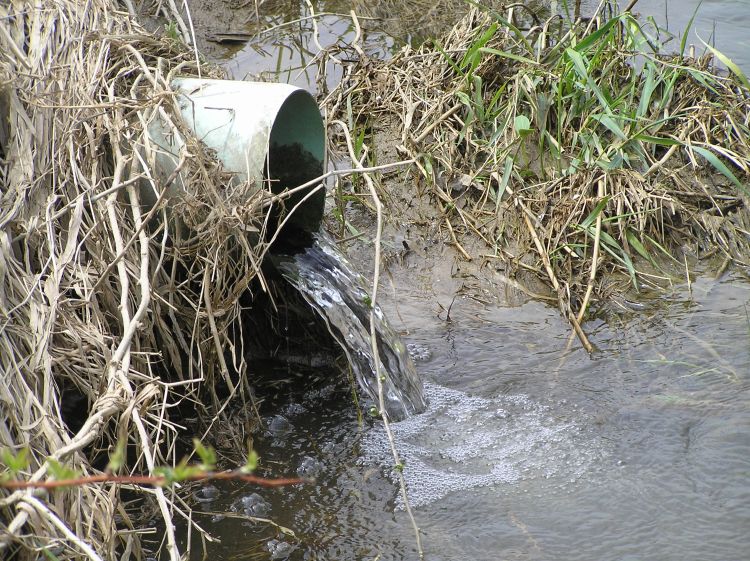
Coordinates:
x,y
329,283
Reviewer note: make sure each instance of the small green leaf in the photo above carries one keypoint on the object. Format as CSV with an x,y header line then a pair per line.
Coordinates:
x,y
165,472
170,30
252,462
183,471
465,99
59,471
206,454
522,125
15,462
117,458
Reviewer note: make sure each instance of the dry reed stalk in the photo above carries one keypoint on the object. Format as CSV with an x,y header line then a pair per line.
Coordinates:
x,y
99,293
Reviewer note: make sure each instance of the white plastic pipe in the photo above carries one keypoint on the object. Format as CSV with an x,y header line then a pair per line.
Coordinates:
x,y
260,131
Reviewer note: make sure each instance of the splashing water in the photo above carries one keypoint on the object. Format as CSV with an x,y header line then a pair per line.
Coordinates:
x,y
338,294
463,442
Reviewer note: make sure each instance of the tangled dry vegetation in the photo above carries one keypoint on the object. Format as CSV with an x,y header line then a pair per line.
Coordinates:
x,y
128,306
571,150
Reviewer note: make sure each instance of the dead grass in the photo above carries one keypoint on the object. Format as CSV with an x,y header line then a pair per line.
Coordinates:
x,y
97,291
571,150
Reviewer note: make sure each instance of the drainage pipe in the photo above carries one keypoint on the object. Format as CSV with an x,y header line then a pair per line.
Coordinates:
x,y
260,131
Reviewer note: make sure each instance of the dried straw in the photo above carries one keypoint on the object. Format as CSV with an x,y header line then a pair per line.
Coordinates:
x,y
130,305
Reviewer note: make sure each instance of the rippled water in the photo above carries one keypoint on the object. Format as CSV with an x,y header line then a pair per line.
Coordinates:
x,y
527,451
721,23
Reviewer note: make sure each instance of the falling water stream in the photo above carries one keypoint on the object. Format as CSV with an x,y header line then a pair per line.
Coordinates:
x,y
339,295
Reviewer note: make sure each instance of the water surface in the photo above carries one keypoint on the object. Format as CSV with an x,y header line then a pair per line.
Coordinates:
x,y
527,451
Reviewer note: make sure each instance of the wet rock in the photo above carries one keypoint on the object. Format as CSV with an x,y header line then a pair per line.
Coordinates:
x,y
279,426
309,467
206,494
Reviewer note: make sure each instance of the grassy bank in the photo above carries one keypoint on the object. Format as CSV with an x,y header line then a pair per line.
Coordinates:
x,y
571,149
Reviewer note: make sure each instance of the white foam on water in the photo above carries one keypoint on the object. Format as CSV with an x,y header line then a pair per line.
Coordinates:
x,y
464,442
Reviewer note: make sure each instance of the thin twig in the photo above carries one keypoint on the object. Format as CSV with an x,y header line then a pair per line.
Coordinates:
x,y
153,480
595,254
50,516
373,334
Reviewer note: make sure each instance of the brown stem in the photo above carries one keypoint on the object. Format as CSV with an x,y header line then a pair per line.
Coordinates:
x,y
153,481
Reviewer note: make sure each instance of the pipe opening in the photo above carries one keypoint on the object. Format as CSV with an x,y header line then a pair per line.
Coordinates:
x,y
296,150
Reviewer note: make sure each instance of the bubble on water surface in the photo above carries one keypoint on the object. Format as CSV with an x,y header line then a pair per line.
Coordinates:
x,y
252,505
464,442
293,409
309,467
419,352
279,549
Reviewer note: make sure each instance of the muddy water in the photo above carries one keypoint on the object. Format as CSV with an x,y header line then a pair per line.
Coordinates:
x,y
527,450
284,47
721,23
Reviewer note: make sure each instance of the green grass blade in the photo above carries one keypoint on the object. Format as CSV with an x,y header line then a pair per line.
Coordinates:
x,y
609,122
504,182
648,90
734,69
636,244
611,246
470,56
657,140
589,220
581,69
683,42
511,56
596,35
449,59
720,166
660,247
